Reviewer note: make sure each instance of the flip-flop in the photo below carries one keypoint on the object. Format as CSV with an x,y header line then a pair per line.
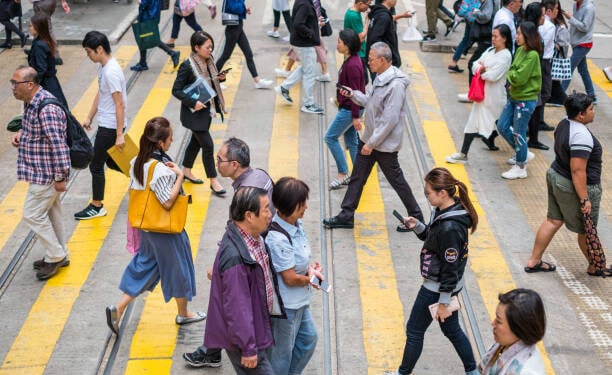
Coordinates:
x,y
538,267
601,273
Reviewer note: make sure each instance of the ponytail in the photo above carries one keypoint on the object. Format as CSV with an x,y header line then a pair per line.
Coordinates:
x,y
464,198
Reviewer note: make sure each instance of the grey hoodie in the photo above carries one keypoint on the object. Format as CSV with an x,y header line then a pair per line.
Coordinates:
x,y
385,110
582,23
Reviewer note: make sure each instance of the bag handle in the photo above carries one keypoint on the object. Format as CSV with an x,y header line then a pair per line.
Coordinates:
x,y
150,175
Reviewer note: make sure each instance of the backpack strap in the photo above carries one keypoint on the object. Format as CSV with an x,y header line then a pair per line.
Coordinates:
x,y
274,226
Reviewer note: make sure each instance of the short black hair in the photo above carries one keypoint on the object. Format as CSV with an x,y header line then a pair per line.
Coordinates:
x,y
577,103
351,39
288,194
525,314
238,150
199,38
246,199
93,39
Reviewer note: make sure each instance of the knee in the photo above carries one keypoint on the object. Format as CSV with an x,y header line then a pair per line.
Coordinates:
x,y
330,139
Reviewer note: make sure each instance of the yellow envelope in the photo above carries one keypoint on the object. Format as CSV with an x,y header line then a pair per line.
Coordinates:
x,y
124,156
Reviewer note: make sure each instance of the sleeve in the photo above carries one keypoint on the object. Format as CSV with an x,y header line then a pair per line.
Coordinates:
x,y
162,182
38,60
281,251
184,77
580,144
499,68
114,79
521,73
236,299
354,76
450,250
586,22
421,230
359,98
563,38
391,117
53,125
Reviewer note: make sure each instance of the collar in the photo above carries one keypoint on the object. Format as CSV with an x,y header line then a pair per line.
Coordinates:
x,y
289,228
238,181
385,76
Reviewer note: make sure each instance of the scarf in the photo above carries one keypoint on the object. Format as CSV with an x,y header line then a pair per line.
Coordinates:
x,y
208,71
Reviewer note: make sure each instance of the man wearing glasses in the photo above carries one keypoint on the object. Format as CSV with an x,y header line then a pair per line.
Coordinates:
x,y
505,15
43,160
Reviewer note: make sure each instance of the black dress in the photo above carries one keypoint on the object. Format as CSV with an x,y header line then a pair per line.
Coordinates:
x,y
41,59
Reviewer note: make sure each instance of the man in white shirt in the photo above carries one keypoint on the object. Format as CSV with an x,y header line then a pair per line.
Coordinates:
x,y
110,105
505,15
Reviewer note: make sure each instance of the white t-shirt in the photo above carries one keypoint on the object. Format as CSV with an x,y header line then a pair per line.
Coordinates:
x,y
110,80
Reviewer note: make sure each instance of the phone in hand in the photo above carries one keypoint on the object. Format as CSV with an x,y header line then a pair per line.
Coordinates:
x,y
342,87
322,284
224,71
400,218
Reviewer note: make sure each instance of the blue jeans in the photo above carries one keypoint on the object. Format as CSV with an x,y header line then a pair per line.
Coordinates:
x,y
419,321
464,44
295,339
342,124
513,123
579,60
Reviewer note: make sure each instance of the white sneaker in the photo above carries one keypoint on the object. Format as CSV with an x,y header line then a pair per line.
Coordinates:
x,y
273,34
463,98
263,84
456,158
312,109
515,172
324,78
282,72
223,87
530,156
285,38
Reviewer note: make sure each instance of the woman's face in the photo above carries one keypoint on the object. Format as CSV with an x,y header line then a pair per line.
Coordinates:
x,y
502,333
520,38
205,49
300,210
32,31
165,145
498,41
341,47
435,198
555,12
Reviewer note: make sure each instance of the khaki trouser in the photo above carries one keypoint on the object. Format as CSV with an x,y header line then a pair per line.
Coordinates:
x,y
42,212
433,13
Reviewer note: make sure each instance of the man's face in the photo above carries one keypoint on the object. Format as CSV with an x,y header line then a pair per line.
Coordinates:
x,y
374,62
225,166
22,88
261,222
93,54
515,5
363,6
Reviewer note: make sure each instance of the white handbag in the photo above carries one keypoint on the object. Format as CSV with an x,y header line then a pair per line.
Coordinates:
x,y
561,69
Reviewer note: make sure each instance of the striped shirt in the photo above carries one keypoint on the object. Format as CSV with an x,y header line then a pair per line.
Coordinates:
x,y
43,153
162,180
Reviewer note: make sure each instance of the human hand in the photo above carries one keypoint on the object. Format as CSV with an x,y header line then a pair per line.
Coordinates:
x,y
199,105
586,208
567,14
86,123
410,222
120,141
65,6
60,186
249,10
346,91
174,168
443,312
209,273
249,362
15,139
357,124
366,150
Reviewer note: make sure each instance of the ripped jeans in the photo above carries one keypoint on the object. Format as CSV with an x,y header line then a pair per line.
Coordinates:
x,y
513,123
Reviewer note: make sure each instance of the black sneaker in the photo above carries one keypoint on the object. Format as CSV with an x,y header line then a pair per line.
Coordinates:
x,y
312,109
454,69
39,263
175,58
47,270
201,359
336,222
429,38
284,93
140,67
90,212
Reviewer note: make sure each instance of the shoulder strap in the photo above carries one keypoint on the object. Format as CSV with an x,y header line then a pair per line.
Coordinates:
x,y
47,101
274,226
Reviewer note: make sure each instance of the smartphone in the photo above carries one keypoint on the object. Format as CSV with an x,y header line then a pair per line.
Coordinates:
x,y
400,218
224,71
341,87
323,285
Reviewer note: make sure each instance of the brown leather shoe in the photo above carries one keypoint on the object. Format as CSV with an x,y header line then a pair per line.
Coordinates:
x,y
48,270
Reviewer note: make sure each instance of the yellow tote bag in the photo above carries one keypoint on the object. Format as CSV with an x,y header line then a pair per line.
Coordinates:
x,y
147,213
124,156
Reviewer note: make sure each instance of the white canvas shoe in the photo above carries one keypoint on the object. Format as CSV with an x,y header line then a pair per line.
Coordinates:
x,y
515,172
456,158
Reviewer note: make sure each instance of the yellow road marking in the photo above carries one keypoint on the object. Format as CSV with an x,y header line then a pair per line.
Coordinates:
x,y
154,340
598,78
12,204
493,276
283,156
54,303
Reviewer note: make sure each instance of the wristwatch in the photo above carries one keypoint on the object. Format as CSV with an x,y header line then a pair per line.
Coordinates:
x,y
583,202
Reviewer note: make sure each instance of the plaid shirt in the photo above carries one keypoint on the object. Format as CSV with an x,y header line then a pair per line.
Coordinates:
x,y
259,253
43,154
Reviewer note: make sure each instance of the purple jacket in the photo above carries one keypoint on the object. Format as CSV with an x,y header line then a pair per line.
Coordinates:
x,y
238,318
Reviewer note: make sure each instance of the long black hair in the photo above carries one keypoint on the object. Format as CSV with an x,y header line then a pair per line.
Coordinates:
x,y
156,130
533,41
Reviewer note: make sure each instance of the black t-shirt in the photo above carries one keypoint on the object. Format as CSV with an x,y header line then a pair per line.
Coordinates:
x,y
575,140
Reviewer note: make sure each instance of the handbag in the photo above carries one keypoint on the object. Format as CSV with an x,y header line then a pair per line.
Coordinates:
x,y
326,29
145,212
15,124
146,34
132,243
185,7
595,252
477,88
561,69
229,19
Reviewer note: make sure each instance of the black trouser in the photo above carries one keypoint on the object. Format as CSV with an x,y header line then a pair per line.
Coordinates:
x,y
236,35
201,139
468,138
162,45
105,139
9,27
482,46
557,94
176,24
286,17
537,117
390,167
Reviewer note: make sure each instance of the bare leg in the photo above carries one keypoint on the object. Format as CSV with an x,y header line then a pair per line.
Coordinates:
x,y
181,306
215,184
289,65
124,301
545,233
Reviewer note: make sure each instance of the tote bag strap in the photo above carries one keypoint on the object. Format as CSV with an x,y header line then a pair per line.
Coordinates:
x,y
149,176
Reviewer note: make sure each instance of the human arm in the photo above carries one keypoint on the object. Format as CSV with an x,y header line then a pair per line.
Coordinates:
x,y
167,187
299,19
585,23
521,71
579,180
184,78
119,117
65,6
484,14
499,68
283,256
406,14
38,58
417,227
53,125
352,76
451,249
92,112
15,139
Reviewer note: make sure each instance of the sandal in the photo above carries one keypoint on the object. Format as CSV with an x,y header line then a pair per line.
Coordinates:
x,y
538,267
607,272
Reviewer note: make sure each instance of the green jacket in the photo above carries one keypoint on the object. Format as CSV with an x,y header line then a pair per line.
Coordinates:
x,y
525,76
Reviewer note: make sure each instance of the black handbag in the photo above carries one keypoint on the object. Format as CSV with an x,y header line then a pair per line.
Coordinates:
x,y
229,19
326,29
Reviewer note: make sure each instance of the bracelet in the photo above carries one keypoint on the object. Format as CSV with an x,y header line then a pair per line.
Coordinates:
x,y
583,202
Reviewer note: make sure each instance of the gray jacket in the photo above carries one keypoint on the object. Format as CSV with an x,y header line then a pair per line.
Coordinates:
x,y
385,110
582,23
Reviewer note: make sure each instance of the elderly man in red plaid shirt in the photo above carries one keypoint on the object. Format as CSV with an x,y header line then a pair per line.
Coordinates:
x,y
43,160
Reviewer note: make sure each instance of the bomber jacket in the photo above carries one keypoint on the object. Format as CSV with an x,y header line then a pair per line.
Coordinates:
x,y
304,25
236,7
238,317
445,251
382,29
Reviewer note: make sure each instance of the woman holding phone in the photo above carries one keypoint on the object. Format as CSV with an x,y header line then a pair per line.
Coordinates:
x,y
348,119
196,115
443,260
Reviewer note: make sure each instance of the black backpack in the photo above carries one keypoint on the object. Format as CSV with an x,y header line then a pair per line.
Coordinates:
x,y
81,149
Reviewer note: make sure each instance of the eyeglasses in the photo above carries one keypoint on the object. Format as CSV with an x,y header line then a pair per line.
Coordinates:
x,y
15,83
219,160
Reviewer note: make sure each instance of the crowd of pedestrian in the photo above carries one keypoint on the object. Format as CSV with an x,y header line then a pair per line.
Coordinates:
x,y
263,275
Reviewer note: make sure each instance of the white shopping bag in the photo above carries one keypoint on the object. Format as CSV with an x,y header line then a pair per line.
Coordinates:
x,y
411,34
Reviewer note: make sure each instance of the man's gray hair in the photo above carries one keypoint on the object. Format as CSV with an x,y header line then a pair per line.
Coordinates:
x,y
29,73
381,49
238,150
